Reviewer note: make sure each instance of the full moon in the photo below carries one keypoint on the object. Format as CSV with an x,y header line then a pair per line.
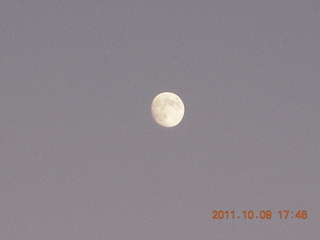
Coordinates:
x,y
167,109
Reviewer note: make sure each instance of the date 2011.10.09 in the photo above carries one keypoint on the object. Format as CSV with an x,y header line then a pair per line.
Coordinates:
x,y
263,214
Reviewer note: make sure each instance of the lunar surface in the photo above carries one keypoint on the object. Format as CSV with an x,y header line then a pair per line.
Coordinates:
x,y
167,109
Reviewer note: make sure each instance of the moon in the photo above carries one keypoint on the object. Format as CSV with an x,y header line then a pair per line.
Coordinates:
x,y
167,109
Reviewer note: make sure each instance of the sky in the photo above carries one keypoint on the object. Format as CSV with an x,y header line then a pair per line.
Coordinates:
x,y
82,158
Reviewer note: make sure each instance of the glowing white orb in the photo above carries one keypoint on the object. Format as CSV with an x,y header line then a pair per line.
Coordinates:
x,y
167,109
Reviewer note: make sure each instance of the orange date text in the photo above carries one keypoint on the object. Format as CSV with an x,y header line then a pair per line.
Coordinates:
x,y
263,214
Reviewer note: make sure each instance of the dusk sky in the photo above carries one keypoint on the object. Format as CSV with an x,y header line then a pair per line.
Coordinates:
x,y
81,157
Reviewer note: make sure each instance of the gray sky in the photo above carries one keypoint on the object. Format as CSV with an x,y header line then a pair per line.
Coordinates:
x,y
82,158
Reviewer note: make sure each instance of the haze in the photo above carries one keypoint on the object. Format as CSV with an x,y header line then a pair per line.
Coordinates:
x,y
82,158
